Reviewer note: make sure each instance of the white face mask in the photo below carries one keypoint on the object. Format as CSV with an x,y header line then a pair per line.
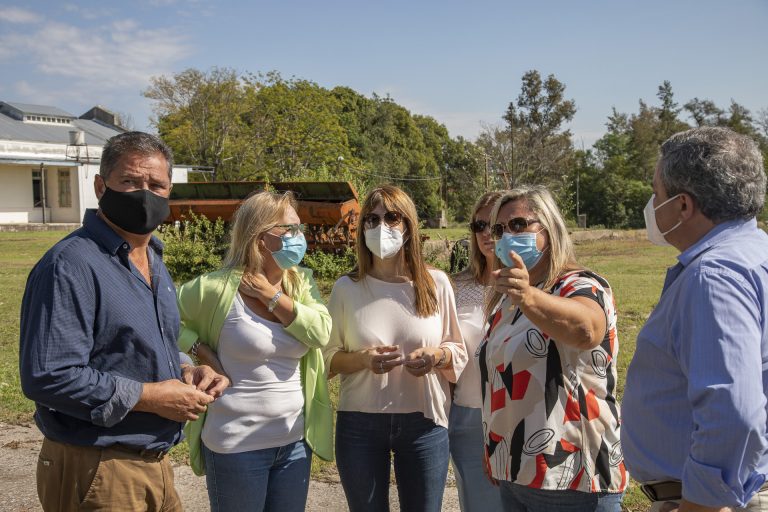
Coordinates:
x,y
384,241
654,233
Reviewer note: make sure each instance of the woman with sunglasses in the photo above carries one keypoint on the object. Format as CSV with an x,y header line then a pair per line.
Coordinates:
x,y
261,321
465,423
548,366
396,344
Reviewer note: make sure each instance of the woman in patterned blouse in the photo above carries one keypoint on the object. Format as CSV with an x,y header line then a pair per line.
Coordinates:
x,y
548,367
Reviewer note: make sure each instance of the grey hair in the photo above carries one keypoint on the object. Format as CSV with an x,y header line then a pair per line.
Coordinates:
x,y
132,142
721,169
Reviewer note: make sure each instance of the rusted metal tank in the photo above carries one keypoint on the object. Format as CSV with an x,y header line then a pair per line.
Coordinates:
x,y
330,209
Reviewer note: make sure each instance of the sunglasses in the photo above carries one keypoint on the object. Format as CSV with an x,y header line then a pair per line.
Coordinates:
x,y
516,225
391,219
292,229
479,226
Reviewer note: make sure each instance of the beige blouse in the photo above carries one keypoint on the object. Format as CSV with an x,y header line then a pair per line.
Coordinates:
x,y
371,313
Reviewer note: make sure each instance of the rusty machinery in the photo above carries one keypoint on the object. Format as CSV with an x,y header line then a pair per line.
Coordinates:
x,y
330,209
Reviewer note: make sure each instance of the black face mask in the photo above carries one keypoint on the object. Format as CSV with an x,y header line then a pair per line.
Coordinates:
x,y
138,212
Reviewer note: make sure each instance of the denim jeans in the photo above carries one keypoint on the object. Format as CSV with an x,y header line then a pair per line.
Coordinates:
x,y
519,498
272,479
364,444
465,431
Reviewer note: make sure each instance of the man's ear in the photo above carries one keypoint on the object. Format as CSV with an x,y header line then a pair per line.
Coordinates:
x,y
688,206
99,186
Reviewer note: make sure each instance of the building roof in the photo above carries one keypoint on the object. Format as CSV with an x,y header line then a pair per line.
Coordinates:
x,y
40,110
96,133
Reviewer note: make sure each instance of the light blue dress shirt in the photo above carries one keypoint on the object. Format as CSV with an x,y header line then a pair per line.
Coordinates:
x,y
694,406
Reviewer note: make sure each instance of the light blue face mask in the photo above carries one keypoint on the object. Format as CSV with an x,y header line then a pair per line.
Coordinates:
x,y
524,244
292,251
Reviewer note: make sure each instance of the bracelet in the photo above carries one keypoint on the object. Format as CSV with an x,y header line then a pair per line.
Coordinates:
x,y
193,349
273,302
442,359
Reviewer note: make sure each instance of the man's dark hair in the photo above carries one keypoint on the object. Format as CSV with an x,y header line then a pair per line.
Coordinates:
x,y
132,142
721,169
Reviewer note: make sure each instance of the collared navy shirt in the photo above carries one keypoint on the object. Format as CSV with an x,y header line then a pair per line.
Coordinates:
x,y
694,405
92,331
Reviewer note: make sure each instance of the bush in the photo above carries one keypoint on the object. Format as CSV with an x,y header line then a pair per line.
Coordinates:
x,y
193,247
328,265
437,256
459,256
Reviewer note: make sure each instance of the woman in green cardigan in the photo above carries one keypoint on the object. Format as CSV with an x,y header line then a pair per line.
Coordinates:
x,y
261,321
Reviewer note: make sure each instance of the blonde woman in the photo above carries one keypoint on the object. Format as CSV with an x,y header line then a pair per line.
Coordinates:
x,y
548,366
396,343
261,321
465,424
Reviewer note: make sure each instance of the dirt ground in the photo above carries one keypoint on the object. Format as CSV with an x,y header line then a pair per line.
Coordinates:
x,y
19,446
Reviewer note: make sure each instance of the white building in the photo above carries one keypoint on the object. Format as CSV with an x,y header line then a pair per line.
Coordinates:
x,y
50,156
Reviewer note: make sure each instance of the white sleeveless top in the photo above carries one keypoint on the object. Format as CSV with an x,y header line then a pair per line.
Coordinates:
x,y
263,407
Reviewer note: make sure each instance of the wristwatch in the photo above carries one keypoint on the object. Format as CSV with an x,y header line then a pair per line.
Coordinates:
x,y
273,301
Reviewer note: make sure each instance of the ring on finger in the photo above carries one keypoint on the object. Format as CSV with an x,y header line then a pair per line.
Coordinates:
x,y
381,366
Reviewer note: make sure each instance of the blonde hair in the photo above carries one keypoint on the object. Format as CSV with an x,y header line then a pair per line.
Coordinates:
x,y
561,255
477,261
256,215
394,199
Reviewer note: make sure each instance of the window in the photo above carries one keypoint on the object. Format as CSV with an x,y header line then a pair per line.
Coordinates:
x,y
37,190
65,191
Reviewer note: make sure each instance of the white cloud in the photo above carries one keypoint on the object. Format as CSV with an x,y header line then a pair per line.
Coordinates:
x,y
121,56
89,13
18,15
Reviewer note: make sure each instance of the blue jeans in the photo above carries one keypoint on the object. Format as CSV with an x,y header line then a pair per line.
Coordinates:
x,y
364,444
465,431
519,498
272,479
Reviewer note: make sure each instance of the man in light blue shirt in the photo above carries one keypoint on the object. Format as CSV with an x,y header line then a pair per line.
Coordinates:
x,y
694,407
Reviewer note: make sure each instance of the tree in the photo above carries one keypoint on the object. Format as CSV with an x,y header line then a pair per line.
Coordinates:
x,y
297,122
740,119
611,192
762,121
200,116
668,112
459,165
540,146
495,142
704,112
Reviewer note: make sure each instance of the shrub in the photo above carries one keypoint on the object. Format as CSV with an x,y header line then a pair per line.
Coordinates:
x,y
193,247
436,255
459,256
329,265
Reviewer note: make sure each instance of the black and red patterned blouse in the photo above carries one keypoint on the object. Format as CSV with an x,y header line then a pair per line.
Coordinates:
x,y
550,415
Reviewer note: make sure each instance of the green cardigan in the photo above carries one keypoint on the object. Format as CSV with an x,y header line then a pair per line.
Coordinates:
x,y
204,304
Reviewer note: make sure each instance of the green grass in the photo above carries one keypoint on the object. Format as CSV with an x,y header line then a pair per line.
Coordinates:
x,y
634,268
18,253
446,234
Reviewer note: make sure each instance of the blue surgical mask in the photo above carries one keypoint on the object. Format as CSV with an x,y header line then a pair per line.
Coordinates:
x,y
292,251
524,244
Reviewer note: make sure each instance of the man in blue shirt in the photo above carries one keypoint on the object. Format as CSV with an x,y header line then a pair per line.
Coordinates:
x,y
98,352
694,406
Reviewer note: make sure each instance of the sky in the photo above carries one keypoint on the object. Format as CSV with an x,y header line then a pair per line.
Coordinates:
x,y
460,62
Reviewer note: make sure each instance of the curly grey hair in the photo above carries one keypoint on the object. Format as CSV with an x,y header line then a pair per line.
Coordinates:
x,y
132,142
721,169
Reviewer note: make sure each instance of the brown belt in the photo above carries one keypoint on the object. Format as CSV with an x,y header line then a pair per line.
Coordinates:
x,y
669,490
